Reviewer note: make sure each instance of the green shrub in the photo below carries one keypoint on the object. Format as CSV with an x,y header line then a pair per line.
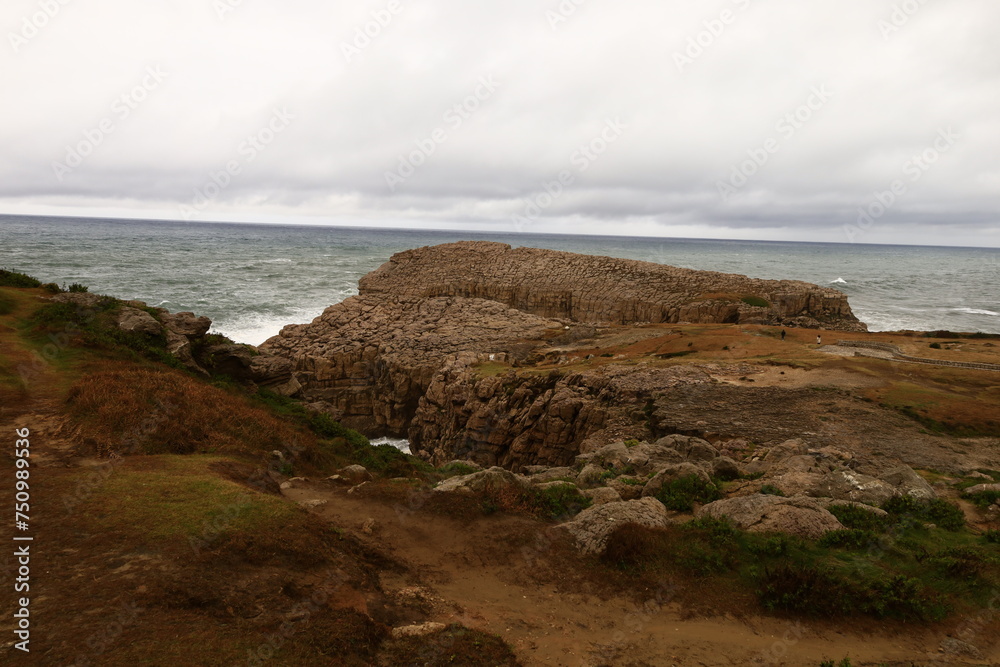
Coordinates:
x,y
457,469
52,288
983,499
681,494
804,590
77,288
819,592
771,490
959,563
15,279
848,539
857,518
939,512
992,536
564,500
935,346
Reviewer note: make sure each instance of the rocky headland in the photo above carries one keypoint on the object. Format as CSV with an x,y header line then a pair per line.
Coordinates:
x,y
398,358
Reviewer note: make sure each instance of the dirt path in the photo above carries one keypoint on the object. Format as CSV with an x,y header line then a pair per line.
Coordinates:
x,y
478,578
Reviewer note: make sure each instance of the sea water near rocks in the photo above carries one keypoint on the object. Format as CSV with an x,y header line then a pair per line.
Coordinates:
x,y
253,279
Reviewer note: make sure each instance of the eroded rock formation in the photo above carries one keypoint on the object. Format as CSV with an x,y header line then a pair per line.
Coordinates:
x,y
399,358
587,288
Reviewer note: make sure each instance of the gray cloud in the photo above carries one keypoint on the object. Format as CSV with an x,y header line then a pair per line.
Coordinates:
x,y
414,94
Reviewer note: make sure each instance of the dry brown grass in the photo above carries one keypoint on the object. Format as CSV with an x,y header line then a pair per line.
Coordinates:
x,y
132,409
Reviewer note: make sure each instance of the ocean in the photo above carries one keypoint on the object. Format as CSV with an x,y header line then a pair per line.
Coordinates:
x,y
253,279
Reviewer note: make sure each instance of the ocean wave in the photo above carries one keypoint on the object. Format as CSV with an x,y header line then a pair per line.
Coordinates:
x,y
975,311
280,260
838,281
401,445
254,329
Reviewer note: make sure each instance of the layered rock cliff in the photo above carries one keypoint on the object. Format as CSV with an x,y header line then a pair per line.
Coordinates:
x,y
406,357
586,288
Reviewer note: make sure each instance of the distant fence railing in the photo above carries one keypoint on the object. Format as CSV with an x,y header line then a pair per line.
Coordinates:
x,y
898,354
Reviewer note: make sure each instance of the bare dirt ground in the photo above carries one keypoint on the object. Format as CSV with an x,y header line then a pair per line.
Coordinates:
x,y
514,577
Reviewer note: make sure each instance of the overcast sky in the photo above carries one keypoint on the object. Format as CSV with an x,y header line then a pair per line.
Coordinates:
x,y
762,119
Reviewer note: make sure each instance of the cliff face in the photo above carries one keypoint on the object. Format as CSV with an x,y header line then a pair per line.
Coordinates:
x,y
586,288
406,357
370,359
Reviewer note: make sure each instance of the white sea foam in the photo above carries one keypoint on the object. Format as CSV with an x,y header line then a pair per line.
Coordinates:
x,y
976,311
256,328
838,281
401,445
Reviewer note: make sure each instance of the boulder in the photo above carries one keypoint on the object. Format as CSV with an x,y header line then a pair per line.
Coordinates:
x,y
494,479
552,474
592,527
187,324
726,468
670,474
590,475
785,450
698,450
645,456
801,516
909,483
616,454
355,474
795,483
849,485
602,495
180,347
626,490
133,320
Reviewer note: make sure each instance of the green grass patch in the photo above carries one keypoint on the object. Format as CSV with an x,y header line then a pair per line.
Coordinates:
x,y
681,494
170,497
756,302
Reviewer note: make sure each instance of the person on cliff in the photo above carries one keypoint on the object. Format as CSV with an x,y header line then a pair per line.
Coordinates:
x,y
783,335
819,339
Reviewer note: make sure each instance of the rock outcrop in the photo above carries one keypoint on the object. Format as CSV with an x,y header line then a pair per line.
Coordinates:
x,y
586,288
800,516
593,526
397,359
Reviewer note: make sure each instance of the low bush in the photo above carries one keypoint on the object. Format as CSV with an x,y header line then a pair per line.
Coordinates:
x,y
15,279
683,493
771,490
857,518
983,499
816,591
939,512
849,539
